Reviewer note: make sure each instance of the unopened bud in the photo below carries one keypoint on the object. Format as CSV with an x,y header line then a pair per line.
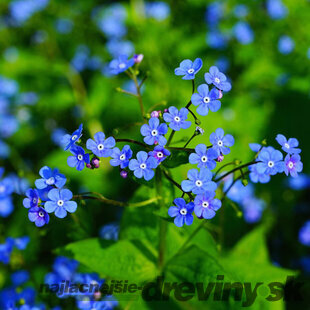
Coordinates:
x,y
138,58
220,158
124,174
89,166
220,94
95,162
155,114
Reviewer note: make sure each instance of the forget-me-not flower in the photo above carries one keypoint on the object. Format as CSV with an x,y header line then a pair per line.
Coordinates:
x,y
182,212
203,157
218,79
143,166
177,119
100,146
154,132
188,68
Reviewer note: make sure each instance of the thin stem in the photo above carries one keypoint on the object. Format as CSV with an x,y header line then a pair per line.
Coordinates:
x,y
170,137
191,138
236,169
126,92
134,78
221,168
193,90
172,148
133,141
194,116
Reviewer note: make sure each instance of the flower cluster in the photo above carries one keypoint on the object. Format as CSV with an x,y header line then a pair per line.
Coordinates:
x,y
8,246
49,196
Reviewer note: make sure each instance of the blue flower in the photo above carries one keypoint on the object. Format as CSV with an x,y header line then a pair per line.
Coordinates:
x,y
206,205
121,158
39,216
6,249
19,277
182,212
252,209
143,165
109,231
271,162
121,64
218,79
21,242
158,10
101,147
243,33
6,187
60,202
276,9
32,199
289,146
159,153
286,45
79,159
6,206
188,68
304,234
257,177
154,132
69,140
203,157
300,183
255,147
206,100
221,143
50,177
177,119
293,165
199,182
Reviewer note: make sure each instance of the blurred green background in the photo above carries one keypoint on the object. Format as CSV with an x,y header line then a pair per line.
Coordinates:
x,y
66,67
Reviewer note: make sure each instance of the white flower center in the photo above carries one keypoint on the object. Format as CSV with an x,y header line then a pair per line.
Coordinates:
x,y
80,157
205,204
177,119
50,181
191,71
287,145
160,155
154,132
217,80
290,164
100,147
220,143
198,183
143,166
41,214
60,203
204,159
270,163
74,137
122,157
183,211
206,99
122,65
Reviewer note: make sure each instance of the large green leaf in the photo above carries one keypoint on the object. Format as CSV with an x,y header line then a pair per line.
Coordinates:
x,y
177,158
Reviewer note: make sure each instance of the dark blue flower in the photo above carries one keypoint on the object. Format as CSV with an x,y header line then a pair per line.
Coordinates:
x,y
6,206
182,212
293,165
203,157
50,177
143,165
121,158
221,143
101,147
154,132
304,234
206,205
199,182
206,100
69,140
21,242
6,249
188,68
177,119
159,153
109,231
121,64
60,202
39,216
79,159
218,79
289,146
19,277
271,162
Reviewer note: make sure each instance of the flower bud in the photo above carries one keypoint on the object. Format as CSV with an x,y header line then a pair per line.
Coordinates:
x,y
138,58
95,162
89,166
124,174
155,114
220,158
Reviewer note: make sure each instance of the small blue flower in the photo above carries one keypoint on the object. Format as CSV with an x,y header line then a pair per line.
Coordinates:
x,y
221,143
293,165
286,45
206,205
154,132
6,206
121,158
109,231
21,242
255,147
143,165
68,140
188,68
19,277
121,64
32,199
304,234
289,146
101,147
50,177
203,157
182,212
243,33
6,187
60,202
270,162
276,9
39,216
159,153
177,119
199,182
252,209
218,79
79,159
206,100
6,249
257,177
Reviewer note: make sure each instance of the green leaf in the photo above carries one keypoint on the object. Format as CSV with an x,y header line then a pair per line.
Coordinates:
x,y
177,158
124,260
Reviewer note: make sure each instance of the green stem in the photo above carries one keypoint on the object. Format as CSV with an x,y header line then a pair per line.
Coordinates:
x,y
170,137
134,78
133,141
191,138
221,168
